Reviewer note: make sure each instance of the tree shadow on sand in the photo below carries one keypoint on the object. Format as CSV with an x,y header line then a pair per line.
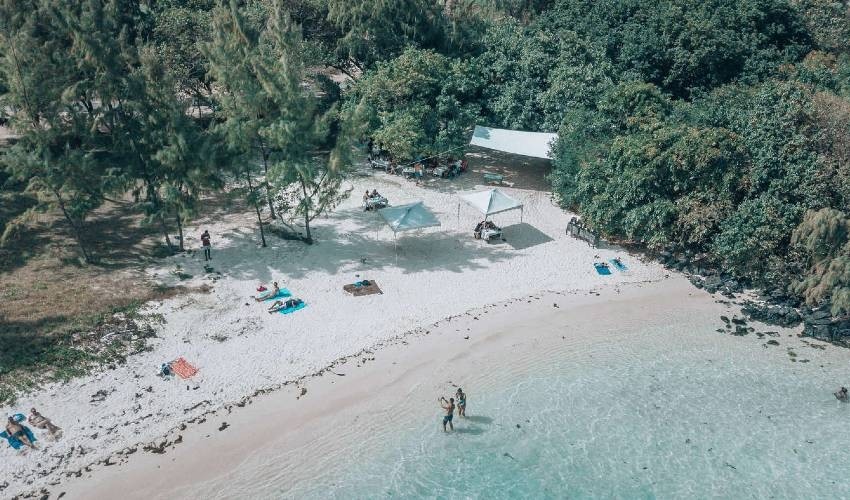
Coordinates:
x,y
355,249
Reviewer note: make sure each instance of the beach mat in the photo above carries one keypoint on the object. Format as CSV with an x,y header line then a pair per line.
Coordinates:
x,y
291,310
15,442
359,289
183,368
282,293
618,265
602,269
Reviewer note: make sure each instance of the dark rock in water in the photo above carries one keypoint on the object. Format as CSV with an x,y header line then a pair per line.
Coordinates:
x,y
725,319
713,281
740,330
820,314
739,321
772,342
771,314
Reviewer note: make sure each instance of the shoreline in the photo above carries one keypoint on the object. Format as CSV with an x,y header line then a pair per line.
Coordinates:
x,y
338,393
287,421
241,350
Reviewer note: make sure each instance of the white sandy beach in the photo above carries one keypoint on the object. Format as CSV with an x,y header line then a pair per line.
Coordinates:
x,y
240,349
282,444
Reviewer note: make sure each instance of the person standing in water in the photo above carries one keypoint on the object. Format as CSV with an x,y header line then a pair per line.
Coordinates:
x,y
461,403
205,241
449,406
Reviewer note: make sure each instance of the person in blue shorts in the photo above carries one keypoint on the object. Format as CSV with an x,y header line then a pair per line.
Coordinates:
x,y
449,406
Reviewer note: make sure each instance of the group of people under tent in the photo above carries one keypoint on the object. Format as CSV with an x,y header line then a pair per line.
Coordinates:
x,y
486,229
374,200
382,159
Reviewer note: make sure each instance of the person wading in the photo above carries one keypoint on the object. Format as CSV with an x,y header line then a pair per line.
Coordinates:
x,y
449,406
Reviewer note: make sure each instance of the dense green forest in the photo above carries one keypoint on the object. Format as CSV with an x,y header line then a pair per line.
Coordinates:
x,y
716,127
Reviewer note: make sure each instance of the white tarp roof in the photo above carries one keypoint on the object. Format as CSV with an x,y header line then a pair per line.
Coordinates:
x,y
406,217
491,202
536,144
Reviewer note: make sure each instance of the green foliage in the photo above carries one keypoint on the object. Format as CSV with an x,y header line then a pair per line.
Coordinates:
x,y
377,30
420,103
268,109
719,146
824,237
536,75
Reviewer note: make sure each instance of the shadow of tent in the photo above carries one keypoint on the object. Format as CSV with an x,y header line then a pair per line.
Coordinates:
x,y
524,235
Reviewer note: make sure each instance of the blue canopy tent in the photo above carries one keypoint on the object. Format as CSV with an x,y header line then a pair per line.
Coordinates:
x,y
408,217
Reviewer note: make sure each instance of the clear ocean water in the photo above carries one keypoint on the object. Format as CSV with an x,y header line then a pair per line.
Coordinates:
x,y
671,411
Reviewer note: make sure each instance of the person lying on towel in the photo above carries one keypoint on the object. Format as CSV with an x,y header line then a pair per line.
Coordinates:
x,y
39,421
16,431
268,293
281,305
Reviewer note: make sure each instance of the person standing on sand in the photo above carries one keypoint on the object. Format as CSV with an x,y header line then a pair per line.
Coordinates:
x,y
449,406
461,403
205,241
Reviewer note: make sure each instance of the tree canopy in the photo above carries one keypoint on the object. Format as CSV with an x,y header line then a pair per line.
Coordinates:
x,y
712,126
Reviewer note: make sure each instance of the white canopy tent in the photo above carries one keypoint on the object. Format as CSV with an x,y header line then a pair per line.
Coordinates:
x,y
536,144
408,217
490,202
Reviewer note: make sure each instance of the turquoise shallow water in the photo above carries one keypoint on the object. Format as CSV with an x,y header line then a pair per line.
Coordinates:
x,y
677,424
665,410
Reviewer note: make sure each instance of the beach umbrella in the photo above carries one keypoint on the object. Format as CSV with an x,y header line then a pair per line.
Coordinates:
x,y
490,202
408,217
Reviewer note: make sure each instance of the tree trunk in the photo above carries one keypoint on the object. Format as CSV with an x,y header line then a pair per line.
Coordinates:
x,y
164,228
308,238
78,235
266,171
256,208
180,230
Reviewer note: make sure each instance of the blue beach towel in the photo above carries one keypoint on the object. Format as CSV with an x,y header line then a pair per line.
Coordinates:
x,y
19,417
15,442
293,309
602,269
618,264
282,293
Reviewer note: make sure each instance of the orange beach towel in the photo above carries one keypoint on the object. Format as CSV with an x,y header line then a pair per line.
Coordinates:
x,y
183,368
